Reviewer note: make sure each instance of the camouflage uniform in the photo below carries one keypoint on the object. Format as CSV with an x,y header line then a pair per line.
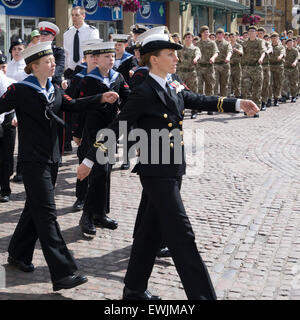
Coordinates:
x,y
266,93
222,69
252,73
291,73
236,70
186,68
276,69
205,70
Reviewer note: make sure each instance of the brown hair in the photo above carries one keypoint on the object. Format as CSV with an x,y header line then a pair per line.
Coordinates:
x,y
145,58
188,34
28,68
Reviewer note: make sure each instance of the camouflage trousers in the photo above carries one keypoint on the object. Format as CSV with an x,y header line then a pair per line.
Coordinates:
x,y
207,79
266,89
252,78
235,79
222,78
190,79
277,72
291,78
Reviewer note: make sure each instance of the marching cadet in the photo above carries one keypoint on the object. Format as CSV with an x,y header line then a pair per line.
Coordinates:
x,y
245,35
37,103
188,58
222,65
252,73
155,104
102,79
235,65
290,34
73,37
205,67
291,74
125,64
15,71
137,30
195,40
266,89
176,38
48,32
79,119
276,59
124,61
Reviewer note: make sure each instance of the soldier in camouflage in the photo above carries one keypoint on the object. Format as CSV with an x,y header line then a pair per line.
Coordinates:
x,y
276,59
291,73
222,65
252,73
235,65
266,87
188,59
205,65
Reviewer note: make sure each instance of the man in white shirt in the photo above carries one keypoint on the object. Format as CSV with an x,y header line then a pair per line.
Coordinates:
x,y
73,38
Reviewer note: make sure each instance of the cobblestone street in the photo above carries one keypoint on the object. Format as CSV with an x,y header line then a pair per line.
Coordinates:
x,y
244,209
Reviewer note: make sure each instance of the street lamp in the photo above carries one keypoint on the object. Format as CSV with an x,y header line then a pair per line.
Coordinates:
x,y
251,7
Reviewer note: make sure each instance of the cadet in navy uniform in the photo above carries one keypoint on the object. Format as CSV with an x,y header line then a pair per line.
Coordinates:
x,y
37,102
137,30
101,79
124,61
73,38
78,120
156,105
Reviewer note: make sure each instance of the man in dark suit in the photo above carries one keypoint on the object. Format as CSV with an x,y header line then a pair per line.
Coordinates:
x,y
156,105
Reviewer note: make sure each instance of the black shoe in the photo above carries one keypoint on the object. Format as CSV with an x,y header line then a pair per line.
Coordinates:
x,y
105,222
263,107
69,282
4,199
125,166
194,115
136,295
269,103
86,224
21,265
293,100
17,178
256,115
276,104
210,113
78,205
283,99
163,253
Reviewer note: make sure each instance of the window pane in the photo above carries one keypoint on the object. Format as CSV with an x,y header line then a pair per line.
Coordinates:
x,y
15,29
29,25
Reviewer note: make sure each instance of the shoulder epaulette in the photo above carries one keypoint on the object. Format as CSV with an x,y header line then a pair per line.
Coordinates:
x,y
92,26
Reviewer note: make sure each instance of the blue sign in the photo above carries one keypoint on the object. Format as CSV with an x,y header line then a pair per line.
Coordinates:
x,y
117,13
90,6
29,8
152,13
12,3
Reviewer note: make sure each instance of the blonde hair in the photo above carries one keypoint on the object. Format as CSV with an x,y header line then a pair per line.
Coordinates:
x,y
81,9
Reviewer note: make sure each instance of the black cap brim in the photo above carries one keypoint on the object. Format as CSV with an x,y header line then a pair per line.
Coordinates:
x,y
159,45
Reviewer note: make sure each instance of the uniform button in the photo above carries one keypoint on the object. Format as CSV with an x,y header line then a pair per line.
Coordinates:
x,y
183,113
181,133
180,122
172,145
170,135
170,125
165,116
182,143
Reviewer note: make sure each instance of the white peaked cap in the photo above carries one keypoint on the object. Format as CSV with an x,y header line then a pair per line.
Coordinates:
x,y
37,51
48,27
156,30
87,45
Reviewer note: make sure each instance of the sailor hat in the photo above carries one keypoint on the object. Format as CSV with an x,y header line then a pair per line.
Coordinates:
x,y
37,51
